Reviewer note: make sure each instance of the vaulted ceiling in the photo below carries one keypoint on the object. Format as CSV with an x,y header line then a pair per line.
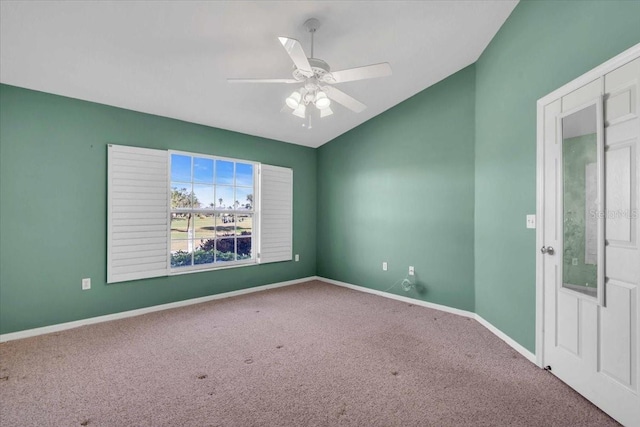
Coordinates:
x,y
172,58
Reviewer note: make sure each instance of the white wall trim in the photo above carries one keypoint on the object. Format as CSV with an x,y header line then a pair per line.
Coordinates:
x,y
140,311
413,301
507,339
539,233
497,332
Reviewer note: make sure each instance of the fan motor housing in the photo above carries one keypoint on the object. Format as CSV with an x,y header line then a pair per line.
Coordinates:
x,y
318,66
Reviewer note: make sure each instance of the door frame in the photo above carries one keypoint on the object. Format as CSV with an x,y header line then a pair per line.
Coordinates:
x,y
594,74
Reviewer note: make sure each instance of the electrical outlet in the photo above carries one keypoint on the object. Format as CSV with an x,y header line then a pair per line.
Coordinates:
x,y
297,257
411,271
384,266
574,261
531,221
86,284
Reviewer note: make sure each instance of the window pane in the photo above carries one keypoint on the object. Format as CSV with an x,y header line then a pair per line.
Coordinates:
x,y
181,195
244,225
244,174
202,170
180,254
180,168
205,183
225,250
244,196
224,172
179,245
181,226
205,252
225,225
203,196
244,248
204,226
224,196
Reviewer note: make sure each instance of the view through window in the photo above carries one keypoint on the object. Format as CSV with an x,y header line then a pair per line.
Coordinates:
x,y
212,211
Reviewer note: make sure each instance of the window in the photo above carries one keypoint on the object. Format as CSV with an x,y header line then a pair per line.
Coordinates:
x,y
212,211
171,212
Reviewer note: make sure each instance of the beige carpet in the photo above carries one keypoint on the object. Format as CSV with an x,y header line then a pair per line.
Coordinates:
x,y
311,354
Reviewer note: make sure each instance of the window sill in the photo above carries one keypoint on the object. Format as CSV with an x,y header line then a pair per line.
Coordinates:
x,y
177,271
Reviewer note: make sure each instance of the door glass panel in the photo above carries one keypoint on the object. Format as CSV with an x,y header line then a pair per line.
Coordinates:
x,y
580,194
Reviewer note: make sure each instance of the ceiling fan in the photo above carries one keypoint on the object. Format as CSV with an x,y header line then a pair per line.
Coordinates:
x,y
316,78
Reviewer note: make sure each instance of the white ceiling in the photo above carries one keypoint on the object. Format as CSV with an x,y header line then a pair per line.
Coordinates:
x,y
172,58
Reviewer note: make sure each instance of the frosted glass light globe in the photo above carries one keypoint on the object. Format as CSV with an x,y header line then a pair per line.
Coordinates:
x,y
322,101
293,100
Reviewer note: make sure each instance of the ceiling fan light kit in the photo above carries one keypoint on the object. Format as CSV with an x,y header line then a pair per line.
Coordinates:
x,y
316,78
325,112
294,100
322,101
300,111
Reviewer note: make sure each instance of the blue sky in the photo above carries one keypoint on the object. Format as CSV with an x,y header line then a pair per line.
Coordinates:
x,y
212,179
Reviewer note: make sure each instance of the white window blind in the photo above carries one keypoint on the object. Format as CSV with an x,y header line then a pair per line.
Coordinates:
x,y
137,216
138,204
276,214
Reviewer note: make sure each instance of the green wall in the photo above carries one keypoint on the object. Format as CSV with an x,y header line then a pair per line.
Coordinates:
x,y
542,46
413,161
399,188
53,208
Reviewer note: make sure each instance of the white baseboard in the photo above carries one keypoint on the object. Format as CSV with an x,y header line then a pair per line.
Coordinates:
x,y
504,337
131,313
413,301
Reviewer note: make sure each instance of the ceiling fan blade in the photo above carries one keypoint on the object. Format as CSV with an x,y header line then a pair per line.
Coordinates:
x,y
299,58
359,73
342,98
262,81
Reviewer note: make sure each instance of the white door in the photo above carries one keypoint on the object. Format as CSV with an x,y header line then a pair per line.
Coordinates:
x,y
591,262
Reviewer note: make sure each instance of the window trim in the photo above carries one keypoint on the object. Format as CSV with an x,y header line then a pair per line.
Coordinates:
x,y
255,212
129,237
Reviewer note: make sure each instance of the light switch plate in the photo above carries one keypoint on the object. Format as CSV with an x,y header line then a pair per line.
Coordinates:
x,y
86,284
384,266
531,221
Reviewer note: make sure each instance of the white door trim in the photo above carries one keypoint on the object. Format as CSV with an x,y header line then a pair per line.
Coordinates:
x,y
596,73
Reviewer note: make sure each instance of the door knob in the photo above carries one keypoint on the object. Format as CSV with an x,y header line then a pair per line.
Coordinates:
x,y
547,250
